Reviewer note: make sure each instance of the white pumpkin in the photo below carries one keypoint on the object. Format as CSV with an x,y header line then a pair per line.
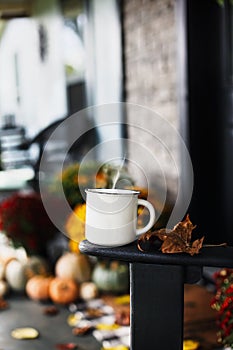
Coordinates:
x,y
75,266
17,272
15,275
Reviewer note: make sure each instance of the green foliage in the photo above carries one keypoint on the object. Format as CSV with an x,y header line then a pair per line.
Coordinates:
x,y
222,2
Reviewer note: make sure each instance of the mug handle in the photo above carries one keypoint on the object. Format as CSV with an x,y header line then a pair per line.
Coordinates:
x,y
151,222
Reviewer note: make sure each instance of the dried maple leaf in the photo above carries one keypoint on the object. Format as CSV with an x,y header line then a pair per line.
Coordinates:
x,y
177,240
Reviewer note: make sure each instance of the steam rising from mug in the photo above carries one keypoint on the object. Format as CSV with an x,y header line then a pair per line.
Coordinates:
x,y
144,149
117,175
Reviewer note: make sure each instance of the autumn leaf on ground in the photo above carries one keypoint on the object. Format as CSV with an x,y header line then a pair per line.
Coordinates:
x,y
177,240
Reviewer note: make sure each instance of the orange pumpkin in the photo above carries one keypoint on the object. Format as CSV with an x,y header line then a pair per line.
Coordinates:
x,y
63,290
37,287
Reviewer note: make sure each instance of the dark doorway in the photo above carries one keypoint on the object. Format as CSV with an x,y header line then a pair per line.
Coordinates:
x,y
209,114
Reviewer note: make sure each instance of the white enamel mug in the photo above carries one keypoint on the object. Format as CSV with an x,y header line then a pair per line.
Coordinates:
x,y
111,216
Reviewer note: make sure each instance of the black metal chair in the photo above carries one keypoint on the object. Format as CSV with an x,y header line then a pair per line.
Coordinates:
x,y
75,153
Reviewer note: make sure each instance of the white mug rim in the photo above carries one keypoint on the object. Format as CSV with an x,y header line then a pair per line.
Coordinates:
x,y
113,191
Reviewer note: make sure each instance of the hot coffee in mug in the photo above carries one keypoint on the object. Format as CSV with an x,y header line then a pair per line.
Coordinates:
x,y
111,216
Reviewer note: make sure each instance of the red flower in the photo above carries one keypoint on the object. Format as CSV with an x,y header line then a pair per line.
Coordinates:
x,y
223,304
24,220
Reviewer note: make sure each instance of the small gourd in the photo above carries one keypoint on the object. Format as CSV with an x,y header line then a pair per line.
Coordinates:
x,y
4,288
2,269
73,265
112,277
63,290
36,265
88,290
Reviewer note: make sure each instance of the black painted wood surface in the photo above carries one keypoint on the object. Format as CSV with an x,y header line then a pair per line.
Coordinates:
x,y
209,256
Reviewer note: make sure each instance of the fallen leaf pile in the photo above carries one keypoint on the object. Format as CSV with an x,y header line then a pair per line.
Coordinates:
x,y
177,240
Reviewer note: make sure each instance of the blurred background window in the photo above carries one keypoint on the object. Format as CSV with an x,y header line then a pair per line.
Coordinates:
x,y
40,56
